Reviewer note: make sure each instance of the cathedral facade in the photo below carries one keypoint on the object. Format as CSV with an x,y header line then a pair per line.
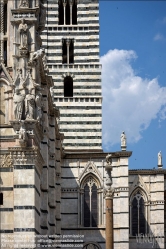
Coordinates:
x,y
55,179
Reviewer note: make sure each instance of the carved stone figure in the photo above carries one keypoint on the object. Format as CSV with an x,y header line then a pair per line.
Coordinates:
x,y
6,161
18,105
29,105
108,159
159,158
39,105
38,54
24,4
44,59
123,139
23,29
22,132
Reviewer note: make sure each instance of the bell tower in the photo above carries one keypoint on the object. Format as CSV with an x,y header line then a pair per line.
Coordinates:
x,y
71,41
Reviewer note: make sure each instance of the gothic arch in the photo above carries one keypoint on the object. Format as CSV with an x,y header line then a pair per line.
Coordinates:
x,y
139,211
91,196
91,168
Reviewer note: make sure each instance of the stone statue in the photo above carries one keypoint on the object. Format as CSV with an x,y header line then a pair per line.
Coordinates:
x,y
39,105
18,105
44,59
23,28
123,139
38,54
22,132
108,159
24,4
160,159
29,105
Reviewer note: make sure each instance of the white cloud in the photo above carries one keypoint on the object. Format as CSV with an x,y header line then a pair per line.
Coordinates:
x,y
129,101
159,37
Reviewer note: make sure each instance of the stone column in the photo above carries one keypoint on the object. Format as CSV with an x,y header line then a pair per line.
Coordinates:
x,y
68,44
71,8
109,203
109,219
64,7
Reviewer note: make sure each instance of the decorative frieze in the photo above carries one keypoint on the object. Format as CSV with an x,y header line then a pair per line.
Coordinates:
x,y
6,161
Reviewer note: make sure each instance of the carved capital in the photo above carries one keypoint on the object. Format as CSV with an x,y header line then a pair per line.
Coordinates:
x,y
108,193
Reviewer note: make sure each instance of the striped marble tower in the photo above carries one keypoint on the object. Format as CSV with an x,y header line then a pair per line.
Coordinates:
x,y
71,40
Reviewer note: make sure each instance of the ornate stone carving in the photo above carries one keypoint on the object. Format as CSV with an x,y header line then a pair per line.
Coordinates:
x,y
38,54
24,4
123,141
6,161
109,192
90,181
18,100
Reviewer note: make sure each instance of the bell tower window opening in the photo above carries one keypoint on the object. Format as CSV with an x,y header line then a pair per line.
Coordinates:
x,y
68,87
61,13
64,52
67,11
1,198
74,13
71,52
67,51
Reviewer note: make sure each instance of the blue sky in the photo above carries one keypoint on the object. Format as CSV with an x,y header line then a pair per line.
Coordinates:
x,y
133,57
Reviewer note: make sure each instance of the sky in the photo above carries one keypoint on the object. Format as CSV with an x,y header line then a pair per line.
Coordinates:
x,y
133,58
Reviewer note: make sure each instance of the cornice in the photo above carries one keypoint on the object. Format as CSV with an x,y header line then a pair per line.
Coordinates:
x,y
95,154
147,171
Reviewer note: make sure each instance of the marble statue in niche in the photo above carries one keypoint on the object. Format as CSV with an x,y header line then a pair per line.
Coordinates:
x,y
23,29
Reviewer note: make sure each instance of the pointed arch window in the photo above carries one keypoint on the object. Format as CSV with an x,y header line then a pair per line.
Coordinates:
x,y
138,214
90,202
68,86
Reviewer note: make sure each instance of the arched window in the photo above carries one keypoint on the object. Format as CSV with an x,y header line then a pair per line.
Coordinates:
x,y
1,198
138,214
68,86
90,204
67,11
2,105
